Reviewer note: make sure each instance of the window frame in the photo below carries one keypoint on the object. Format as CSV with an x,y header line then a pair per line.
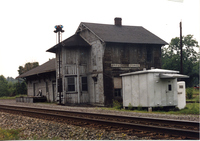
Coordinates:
x,y
74,84
119,92
85,83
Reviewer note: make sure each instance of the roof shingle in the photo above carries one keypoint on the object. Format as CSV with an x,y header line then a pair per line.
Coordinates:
x,y
124,34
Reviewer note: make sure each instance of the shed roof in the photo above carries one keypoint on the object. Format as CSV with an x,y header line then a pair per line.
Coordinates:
x,y
173,76
73,41
123,34
162,73
150,71
49,66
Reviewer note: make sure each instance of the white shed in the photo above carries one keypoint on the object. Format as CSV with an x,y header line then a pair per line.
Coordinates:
x,y
150,88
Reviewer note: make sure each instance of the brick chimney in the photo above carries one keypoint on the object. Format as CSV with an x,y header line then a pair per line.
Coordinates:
x,y
118,21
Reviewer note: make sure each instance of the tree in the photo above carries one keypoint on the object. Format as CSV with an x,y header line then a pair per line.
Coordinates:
x,y
3,86
20,88
171,58
28,66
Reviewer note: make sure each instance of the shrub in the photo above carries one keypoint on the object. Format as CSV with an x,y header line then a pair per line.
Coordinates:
x,y
139,108
191,108
117,104
189,93
130,107
197,99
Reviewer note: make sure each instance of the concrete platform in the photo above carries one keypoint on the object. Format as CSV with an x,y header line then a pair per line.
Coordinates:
x,y
33,99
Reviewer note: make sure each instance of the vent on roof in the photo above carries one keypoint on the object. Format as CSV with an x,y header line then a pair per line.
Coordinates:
x,y
118,21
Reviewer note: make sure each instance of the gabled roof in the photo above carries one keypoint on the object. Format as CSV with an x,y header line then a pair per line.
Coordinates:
x,y
49,66
73,41
123,34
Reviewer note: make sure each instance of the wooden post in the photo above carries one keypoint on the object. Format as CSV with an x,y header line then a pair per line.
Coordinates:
x,y
181,61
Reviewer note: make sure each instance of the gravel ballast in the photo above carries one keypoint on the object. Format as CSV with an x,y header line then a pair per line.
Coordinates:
x,y
33,128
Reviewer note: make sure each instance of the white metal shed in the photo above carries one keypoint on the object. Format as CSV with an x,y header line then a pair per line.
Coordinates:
x,y
150,88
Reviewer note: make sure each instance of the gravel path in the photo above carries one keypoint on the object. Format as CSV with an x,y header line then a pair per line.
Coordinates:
x,y
32,128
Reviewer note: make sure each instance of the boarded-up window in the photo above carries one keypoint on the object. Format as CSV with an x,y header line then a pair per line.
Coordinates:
x,y
71,83
117,82
84,84
117,86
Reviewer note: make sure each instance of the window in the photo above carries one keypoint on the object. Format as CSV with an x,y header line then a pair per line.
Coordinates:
x,y
71,83
180,86
47,89
169,87
149,54
84,84
118,92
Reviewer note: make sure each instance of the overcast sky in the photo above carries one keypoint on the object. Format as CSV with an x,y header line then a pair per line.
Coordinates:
x,y
26,27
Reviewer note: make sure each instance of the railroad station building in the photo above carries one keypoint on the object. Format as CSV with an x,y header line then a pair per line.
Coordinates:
x,y
94,57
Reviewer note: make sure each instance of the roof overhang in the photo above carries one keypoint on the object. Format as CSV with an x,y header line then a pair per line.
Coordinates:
x,y
73,41
47,67
167,76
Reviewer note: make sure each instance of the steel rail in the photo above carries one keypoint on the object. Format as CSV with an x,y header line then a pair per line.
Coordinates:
x,y
194,124
173,131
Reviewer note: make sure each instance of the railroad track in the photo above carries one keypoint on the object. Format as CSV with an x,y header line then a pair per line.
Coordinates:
x,y
133,125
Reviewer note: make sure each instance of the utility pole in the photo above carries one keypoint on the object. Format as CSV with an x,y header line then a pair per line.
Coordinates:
x,y
181,46
59,30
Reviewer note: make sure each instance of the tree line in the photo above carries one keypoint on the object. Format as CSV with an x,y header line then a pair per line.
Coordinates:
x,y
12,87
9,88
171,58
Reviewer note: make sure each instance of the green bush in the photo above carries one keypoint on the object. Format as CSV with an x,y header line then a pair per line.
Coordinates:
x,y
189,93
197,99
139,108
130,107
117,104
191,108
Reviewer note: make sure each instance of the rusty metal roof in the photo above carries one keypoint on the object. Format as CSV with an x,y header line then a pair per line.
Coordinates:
x,y
49,66
123,34
73,41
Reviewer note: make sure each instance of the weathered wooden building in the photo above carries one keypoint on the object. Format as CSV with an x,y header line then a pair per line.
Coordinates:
x,y
94,57
41,81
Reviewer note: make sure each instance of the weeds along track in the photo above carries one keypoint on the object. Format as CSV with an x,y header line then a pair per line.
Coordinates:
x,y
154,127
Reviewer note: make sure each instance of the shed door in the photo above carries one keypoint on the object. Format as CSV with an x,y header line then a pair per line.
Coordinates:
x,y
169,93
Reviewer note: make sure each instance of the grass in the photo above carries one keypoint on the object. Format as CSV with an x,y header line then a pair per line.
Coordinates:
x,y
195,91
9,134
191,108
195,96
13,97
14,134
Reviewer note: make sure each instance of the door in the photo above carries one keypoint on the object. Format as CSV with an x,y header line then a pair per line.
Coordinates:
x,y
35,89
169,93
54,92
